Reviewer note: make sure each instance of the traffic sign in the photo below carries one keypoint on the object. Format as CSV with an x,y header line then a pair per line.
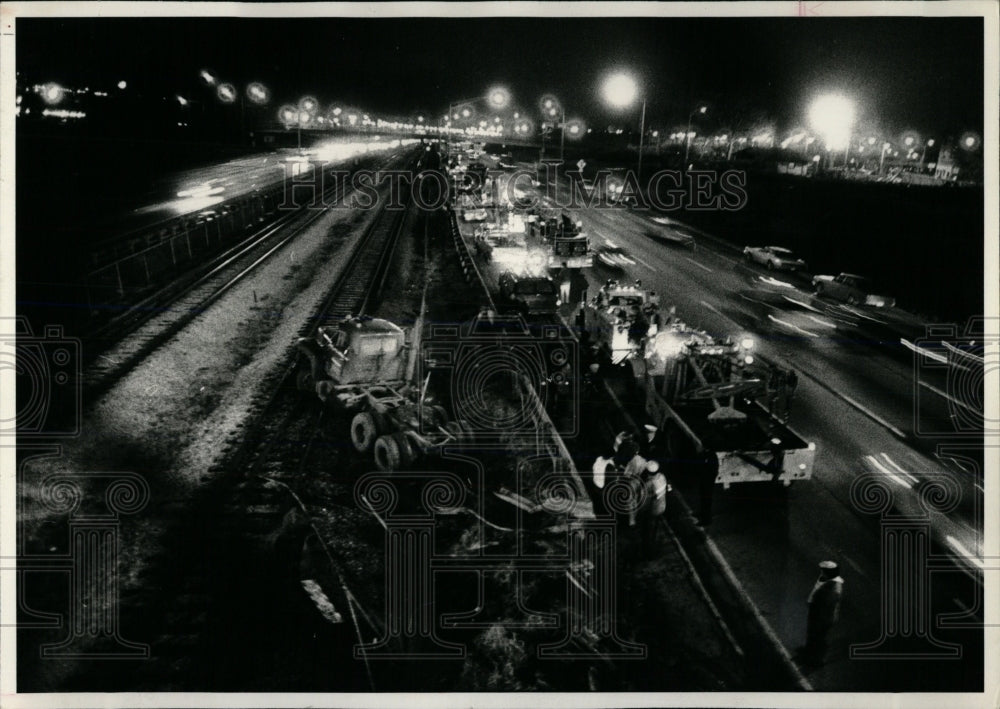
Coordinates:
x,y
581,164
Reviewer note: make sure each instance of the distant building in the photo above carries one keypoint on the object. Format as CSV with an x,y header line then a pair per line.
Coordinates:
x,y
946,168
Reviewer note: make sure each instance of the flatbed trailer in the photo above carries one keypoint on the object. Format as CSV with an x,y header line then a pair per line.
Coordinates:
x,y
714,396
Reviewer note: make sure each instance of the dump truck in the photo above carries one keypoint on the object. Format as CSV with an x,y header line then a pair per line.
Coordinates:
x,y
359,367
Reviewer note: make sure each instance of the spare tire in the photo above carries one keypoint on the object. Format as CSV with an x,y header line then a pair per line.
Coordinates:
x,y
388,456
364,431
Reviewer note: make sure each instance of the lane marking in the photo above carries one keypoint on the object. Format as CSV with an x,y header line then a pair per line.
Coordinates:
x,y
821,322
706,268
643,263
948,396
790,325
888,473
710,307
921,350
963,552
868,412
894,464
974,357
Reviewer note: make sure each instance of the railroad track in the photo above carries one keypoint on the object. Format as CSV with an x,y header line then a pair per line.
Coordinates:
x,y
243,590
167,312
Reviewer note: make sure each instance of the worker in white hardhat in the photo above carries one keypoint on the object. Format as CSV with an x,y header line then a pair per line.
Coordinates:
x,y
824,609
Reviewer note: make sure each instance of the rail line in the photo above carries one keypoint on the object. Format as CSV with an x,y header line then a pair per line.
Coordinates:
x,y
231,556
173,307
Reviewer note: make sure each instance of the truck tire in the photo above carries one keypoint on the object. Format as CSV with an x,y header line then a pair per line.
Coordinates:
x,y
364,431
407,449
388,457
304,379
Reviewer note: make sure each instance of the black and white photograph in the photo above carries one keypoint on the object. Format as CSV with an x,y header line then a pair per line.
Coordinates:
x,y
499,354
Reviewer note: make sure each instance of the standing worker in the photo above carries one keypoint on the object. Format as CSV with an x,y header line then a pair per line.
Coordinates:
x,y
654,504
706,466
565,283
824,609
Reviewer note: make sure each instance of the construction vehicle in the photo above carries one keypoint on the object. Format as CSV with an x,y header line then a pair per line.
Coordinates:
x,y
620,316
708,395
568,245
360,367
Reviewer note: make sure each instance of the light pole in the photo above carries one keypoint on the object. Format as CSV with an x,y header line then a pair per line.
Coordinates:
x,y
551,108
687,135
881,160
497,97
923,153
620,90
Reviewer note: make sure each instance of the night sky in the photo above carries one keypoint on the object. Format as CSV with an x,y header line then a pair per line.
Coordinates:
x,y
904,73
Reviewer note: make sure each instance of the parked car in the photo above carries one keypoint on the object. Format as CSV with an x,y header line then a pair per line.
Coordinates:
x,y
774,258
852,289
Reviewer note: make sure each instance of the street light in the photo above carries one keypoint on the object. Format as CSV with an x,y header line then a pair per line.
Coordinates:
x,y
53,93
497,97
833,116
620,90
688,136
258,93
923,152
308,104
226,93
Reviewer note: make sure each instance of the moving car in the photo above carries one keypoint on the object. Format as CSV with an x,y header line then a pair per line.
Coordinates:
x,y
614,257
774,257
852,289
674,236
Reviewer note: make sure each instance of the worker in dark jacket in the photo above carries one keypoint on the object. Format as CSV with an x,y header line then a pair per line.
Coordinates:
x,y
706,470
824,609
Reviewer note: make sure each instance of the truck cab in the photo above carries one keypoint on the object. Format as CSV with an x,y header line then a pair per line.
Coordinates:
x,y
356,351
529,294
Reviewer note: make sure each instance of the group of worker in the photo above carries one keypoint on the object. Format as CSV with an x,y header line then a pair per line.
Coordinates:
x,y
641,497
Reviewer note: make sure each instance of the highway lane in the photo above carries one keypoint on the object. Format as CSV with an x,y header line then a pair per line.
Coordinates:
x,y
774,542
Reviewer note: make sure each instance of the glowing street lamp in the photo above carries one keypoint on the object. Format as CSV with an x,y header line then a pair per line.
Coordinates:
x,y
226,93
258,93
207,77
969,141
689,135
498,97
53,94
833,116
308,104
288,114
923,151
620,91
